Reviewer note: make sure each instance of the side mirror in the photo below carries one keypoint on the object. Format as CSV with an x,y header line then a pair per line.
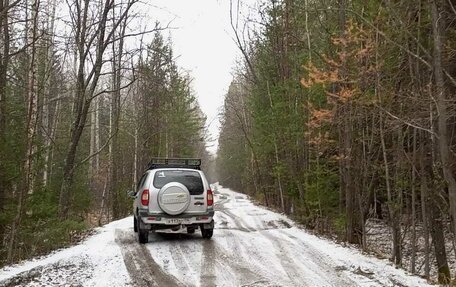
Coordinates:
x,y
131,193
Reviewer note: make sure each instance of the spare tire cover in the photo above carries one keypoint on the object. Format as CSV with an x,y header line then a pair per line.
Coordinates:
x,y
174,198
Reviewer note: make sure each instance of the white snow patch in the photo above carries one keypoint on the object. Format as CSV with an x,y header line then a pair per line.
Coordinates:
x,y
97,261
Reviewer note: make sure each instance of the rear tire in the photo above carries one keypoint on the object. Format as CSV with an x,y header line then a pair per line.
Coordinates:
x,y
207,233
190,230
143,234
135,224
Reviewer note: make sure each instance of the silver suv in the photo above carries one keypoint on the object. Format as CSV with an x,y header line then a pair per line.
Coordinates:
x,y
171,195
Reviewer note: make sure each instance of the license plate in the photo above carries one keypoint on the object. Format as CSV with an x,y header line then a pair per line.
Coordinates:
x,y
175,221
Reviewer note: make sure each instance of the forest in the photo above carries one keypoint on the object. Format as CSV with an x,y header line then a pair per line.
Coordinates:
x,y
87,97
341,114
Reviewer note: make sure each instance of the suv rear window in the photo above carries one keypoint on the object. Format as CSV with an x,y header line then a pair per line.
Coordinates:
x,y
191,179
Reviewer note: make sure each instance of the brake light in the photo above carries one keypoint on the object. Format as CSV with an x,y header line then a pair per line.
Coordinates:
x,y
210,198
145,197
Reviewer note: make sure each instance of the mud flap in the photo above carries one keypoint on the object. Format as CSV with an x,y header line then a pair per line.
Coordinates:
x,y
143,225
209,225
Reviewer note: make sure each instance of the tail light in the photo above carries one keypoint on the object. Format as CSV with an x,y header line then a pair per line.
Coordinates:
x,y
210,198
145,197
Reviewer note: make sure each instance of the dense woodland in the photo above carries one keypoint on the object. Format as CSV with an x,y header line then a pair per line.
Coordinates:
x,y
85,102
342,112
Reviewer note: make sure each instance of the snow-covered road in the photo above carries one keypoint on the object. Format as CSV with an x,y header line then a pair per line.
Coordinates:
x,y
252,246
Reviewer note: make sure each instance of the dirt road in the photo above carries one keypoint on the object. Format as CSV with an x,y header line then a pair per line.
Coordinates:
x,y
252,246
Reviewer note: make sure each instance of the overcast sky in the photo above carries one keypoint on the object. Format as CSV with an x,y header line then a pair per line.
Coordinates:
x,y
202,40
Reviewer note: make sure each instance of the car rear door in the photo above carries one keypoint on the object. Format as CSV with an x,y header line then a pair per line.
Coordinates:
x,y
192,179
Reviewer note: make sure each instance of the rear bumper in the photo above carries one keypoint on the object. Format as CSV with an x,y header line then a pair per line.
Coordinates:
x,y
181,219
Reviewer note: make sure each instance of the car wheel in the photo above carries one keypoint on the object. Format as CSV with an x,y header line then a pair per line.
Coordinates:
x,y
207,233
190,230
143,234
135,224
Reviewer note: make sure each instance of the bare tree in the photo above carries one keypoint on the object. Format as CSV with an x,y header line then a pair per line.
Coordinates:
x,y
86,83
117,65
26,185
444,149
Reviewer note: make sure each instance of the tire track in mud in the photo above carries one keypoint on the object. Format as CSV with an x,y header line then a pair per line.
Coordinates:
x,y
232,217
297,271
212,257
289,266
316,262
250,271
244,271
294,271
219,204
258,224
324,259
239,222
143,270
208,277
283,252
181,262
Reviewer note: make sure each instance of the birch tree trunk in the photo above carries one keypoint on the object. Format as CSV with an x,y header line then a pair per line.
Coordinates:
x,y
116,98
93,131
277,159
442,106
424,211
48,130
26,184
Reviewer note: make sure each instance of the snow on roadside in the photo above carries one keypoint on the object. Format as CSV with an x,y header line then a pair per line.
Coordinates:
x,y
366,270
97,261
379,238
358,266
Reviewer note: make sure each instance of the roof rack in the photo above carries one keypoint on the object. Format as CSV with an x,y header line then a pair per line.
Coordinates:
x,y
193,163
